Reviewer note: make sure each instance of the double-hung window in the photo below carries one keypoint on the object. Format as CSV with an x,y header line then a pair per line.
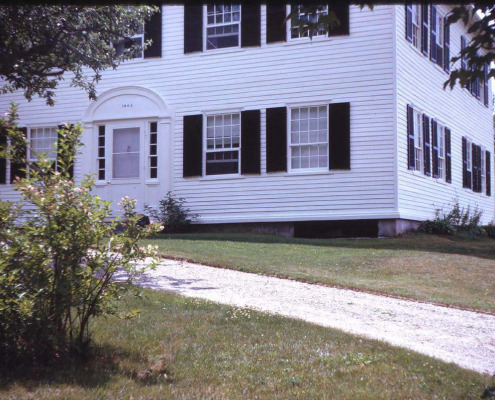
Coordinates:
x,y
418,141
223,144
309,18
416,25
469,155
223,23
43,141
309,138
137,39
441,150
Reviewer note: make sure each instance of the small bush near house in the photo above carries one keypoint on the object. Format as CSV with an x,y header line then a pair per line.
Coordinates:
x,y
489,230
59,256
172,213
457,220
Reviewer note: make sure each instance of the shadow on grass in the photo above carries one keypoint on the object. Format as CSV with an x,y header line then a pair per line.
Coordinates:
x,y
461,245
104,363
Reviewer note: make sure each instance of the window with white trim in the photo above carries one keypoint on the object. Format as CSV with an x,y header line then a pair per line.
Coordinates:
x,y
137,39
223,144
125,157
223,25
416,25
153,151
469,158
441,150
100,159
311,17
440,29
418,140
308,144
42,141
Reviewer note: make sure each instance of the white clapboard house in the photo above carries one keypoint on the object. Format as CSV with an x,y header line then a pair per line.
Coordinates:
x,y
259,127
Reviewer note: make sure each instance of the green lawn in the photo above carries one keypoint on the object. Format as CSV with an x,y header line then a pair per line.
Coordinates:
x,y
180,348
446,270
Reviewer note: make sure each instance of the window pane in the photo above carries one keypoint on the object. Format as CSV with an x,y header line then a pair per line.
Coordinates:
x,y
126,153
125,140
43,140
225,162
126,165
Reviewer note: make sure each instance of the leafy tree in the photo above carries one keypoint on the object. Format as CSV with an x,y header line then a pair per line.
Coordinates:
x,y
61,253
40,44
480,18
480,50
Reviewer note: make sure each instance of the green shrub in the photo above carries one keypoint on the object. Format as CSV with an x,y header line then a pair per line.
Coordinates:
x,y
456,220
489,230
59,254
172,213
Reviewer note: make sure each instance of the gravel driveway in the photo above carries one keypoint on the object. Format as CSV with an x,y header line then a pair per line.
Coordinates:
x,y
463,337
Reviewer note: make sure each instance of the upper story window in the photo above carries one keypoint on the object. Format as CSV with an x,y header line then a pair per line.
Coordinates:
x,y
440,25
418,141
223,144
416,25
137,39
308,138
307,18
42,141
222,26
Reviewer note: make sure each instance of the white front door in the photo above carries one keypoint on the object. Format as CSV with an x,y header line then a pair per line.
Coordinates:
x,y
125,161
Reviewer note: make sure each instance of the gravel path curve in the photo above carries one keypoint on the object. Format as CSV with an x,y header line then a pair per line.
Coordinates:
x,y
464,337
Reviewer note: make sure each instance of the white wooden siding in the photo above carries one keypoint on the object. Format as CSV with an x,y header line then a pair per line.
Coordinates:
x,y
458,110
357,68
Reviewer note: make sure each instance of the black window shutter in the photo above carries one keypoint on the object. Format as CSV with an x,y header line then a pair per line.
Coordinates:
x,y
475,167
153,32
250,142
485,85
426,145
424,28
446,47
433,34
339,135
192,154
488,174
448,156
71,167
409,21
251,25
341,11
410,138
3,160
276,139
275,23
434,142
19,168
193,28
465,179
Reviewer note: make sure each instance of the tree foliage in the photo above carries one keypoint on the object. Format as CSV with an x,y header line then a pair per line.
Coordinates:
x,y
60,255
479,18
40,44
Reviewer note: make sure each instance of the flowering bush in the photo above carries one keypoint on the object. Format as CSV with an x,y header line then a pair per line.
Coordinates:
x,y
60,253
